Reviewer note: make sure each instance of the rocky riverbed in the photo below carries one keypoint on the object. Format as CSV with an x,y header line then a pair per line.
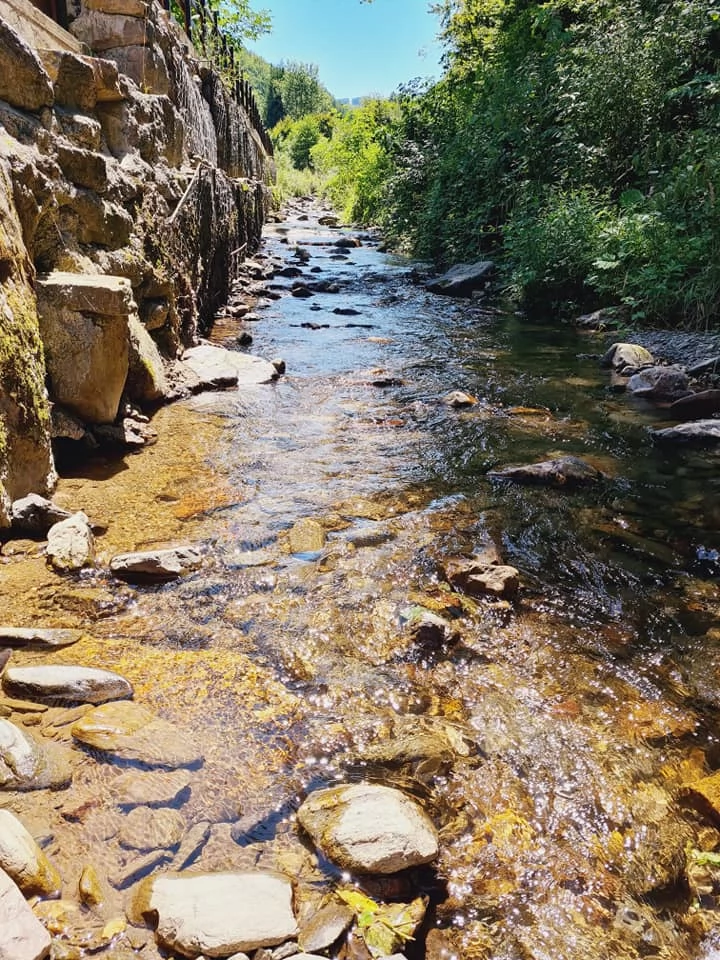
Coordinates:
x,y
364,691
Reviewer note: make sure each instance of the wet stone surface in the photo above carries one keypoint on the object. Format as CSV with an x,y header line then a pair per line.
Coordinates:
x,y
562,740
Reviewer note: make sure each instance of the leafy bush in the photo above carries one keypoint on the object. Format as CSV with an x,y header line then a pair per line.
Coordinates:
x,y
553,243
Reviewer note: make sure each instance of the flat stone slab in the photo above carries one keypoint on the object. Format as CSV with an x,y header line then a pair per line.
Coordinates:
x,y
560,472
38,638
699,433
155,565
368,828
217,367
22,936
218,914
26,765
68,683
88,292
462,279
129,731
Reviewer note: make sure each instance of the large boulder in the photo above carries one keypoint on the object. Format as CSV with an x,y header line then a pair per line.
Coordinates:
x,y
146,65
24,82
463,279
73,79
219,914
84,326
103,31
659,383
23,860
22,936
369,828
627,356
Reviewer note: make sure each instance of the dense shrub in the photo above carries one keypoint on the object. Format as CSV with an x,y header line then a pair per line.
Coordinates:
x,y
578,141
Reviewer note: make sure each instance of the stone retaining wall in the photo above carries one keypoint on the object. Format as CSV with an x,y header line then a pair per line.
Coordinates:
x,y
128,161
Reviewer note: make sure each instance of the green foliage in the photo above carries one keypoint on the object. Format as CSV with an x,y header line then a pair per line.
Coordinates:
x,y
301,91
553,243
577,141
239,21
287,90
294,183
355,160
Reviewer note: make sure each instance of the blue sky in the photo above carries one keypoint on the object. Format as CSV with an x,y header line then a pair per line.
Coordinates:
x,y
360,48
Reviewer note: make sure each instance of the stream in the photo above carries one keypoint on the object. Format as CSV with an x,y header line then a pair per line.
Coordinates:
x,y
563,727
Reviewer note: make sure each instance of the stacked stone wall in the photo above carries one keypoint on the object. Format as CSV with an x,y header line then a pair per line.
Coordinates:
x,y
128,164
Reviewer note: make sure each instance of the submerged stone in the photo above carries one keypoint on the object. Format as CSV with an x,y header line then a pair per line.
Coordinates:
x,y
696,406
68,683
218,914
560,472
191,845
369,828
307,536
147,829
130,731
149,788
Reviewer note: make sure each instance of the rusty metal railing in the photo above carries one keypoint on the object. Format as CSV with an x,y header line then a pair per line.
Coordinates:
x,y
204,32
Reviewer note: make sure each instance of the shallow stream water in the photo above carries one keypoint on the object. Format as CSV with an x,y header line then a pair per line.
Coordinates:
x,y
578,713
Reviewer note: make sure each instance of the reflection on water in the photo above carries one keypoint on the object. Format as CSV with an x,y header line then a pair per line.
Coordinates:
x,y
576,718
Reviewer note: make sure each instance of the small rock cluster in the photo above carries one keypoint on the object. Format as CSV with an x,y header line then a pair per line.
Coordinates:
x,y
633,368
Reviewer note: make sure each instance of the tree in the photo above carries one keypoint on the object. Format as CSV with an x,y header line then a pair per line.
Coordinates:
x,y
301,91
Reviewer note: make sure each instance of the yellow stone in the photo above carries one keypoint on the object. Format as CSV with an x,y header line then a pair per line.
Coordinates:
x,y
89,887
705,794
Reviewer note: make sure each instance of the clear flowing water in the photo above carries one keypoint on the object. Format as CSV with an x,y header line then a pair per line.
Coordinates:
x,y
576,716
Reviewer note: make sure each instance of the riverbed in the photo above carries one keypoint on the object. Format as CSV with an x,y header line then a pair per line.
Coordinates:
x,y
326,504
